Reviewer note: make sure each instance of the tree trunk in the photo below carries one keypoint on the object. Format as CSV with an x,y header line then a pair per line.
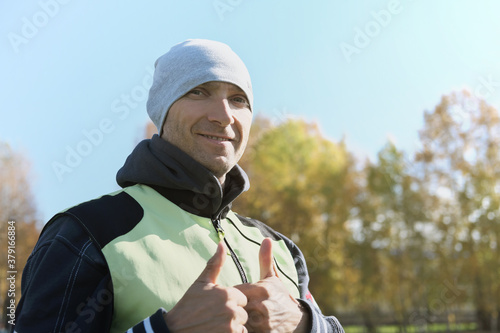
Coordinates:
x,y
483,320
368,322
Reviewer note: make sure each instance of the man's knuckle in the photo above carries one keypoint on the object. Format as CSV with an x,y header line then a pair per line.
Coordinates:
x,y
255,319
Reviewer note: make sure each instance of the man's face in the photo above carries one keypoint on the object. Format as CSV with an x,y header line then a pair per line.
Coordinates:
x,y
211,123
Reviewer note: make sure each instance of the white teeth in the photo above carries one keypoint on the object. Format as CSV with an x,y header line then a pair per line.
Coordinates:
x,y
216,138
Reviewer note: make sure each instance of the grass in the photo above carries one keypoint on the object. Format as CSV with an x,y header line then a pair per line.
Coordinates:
x,y
462,327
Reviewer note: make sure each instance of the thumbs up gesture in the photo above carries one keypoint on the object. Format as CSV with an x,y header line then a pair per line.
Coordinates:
x,y
208,307
270,306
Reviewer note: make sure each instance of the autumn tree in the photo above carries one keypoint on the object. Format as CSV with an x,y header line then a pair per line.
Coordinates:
x,y
303,185
460,163
16,206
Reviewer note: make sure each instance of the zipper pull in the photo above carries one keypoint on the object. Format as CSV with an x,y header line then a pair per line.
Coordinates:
x,y
218,228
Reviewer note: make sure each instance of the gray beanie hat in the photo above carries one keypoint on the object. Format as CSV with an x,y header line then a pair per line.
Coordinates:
x,y
186,66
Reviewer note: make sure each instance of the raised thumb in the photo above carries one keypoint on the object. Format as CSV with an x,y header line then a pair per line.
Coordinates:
x,y
214,266
266,259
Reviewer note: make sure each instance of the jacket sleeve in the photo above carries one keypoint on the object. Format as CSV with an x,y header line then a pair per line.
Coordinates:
x,y
320,323
66,286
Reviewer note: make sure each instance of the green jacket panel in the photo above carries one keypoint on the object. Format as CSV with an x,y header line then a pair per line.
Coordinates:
x,y
175,245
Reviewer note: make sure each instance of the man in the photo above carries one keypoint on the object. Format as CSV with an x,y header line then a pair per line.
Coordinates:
x,y
142,259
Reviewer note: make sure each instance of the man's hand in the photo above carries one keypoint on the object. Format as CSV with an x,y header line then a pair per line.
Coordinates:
x,y
208,307
270,306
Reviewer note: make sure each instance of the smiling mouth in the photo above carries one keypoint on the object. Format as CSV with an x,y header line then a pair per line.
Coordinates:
x,y
217,138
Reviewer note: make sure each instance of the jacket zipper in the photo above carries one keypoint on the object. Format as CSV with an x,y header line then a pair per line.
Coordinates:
x,y
220,232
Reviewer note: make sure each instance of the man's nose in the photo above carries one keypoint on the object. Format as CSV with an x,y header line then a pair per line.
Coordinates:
x,y
220,112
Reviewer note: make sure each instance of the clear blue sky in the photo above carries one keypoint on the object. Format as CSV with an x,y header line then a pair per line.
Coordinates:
x,y
365,70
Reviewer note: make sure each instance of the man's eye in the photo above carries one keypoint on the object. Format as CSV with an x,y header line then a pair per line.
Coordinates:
x,y
196,92
240,100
